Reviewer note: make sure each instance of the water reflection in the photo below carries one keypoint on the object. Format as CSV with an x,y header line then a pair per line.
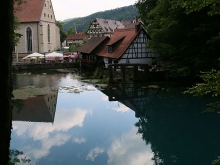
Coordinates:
x,y
125,124
38,108
172,123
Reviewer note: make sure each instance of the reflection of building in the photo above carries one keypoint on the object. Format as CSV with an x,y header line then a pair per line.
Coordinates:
x,y
40,108
135,98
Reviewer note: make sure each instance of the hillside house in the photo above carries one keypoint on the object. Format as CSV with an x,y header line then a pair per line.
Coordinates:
x,y
37,27
103,27
74,39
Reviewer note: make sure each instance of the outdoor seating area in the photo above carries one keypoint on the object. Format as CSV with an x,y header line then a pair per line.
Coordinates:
x,y
53,57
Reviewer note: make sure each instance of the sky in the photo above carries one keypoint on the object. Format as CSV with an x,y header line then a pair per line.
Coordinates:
x,y
65,9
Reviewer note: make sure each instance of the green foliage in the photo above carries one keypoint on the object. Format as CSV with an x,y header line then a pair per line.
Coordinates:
x,y
63,34
16,36
73,48
16,156
182,38
85,40
123,13
211,86
198,5
216,161
71,31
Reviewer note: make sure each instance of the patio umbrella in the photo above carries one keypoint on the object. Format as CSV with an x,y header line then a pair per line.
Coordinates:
x,y
34,55
53,55
24,58
73,55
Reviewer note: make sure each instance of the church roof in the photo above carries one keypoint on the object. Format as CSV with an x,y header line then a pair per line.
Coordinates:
x,y
30,11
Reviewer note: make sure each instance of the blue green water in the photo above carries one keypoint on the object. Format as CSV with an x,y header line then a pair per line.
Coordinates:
x,y
71,122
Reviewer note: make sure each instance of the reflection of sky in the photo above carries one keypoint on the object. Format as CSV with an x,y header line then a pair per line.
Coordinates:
x,y
88,129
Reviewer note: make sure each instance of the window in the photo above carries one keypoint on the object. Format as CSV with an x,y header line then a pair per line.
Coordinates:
x,y
109,49
44,14
29,39
48,33
51,17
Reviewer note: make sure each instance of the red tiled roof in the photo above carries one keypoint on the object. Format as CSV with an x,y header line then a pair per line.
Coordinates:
x,y
92,43
126,22
30,11
128,34
115,39
77,36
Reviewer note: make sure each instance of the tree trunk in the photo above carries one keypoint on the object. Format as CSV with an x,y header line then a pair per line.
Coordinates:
x,y
6,17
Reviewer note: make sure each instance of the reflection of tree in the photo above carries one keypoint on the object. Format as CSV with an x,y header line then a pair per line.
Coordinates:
x,y
177,130
18,104
16,156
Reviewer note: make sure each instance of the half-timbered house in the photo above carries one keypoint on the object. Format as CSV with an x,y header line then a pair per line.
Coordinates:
x,y
88,51
128,46
103,27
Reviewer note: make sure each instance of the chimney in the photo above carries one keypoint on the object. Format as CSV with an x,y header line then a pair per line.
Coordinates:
x,y
136,18
137,27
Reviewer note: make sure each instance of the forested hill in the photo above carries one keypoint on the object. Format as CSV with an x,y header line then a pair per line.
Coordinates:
x,y
82,23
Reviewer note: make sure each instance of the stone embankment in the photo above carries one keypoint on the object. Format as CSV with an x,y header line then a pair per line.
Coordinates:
x,y
24,66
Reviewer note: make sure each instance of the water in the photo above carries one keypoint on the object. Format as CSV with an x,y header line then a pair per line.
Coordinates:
x,y
60,120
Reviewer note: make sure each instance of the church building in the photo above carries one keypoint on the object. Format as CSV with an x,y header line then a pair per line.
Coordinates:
x,y
37,27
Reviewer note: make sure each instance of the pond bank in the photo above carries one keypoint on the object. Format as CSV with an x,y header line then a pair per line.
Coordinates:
x,y
16,67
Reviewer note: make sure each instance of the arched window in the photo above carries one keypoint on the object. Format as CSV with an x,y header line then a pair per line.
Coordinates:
x,y
48,32
29,39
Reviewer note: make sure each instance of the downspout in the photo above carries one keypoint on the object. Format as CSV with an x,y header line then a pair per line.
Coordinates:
x,y
40,24
38,37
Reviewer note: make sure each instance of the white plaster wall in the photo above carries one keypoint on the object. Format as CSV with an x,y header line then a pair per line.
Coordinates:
x,y
54,37
21,46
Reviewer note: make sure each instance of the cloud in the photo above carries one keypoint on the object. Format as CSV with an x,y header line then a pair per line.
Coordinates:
x,y
130,149
105,98
94,153
79,141
65,120
121,108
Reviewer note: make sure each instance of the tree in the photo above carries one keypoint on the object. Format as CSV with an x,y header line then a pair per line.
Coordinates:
x,y
187,42
210,86
16,156
63,34
6,65
85,40
16,36
71,31
16,24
